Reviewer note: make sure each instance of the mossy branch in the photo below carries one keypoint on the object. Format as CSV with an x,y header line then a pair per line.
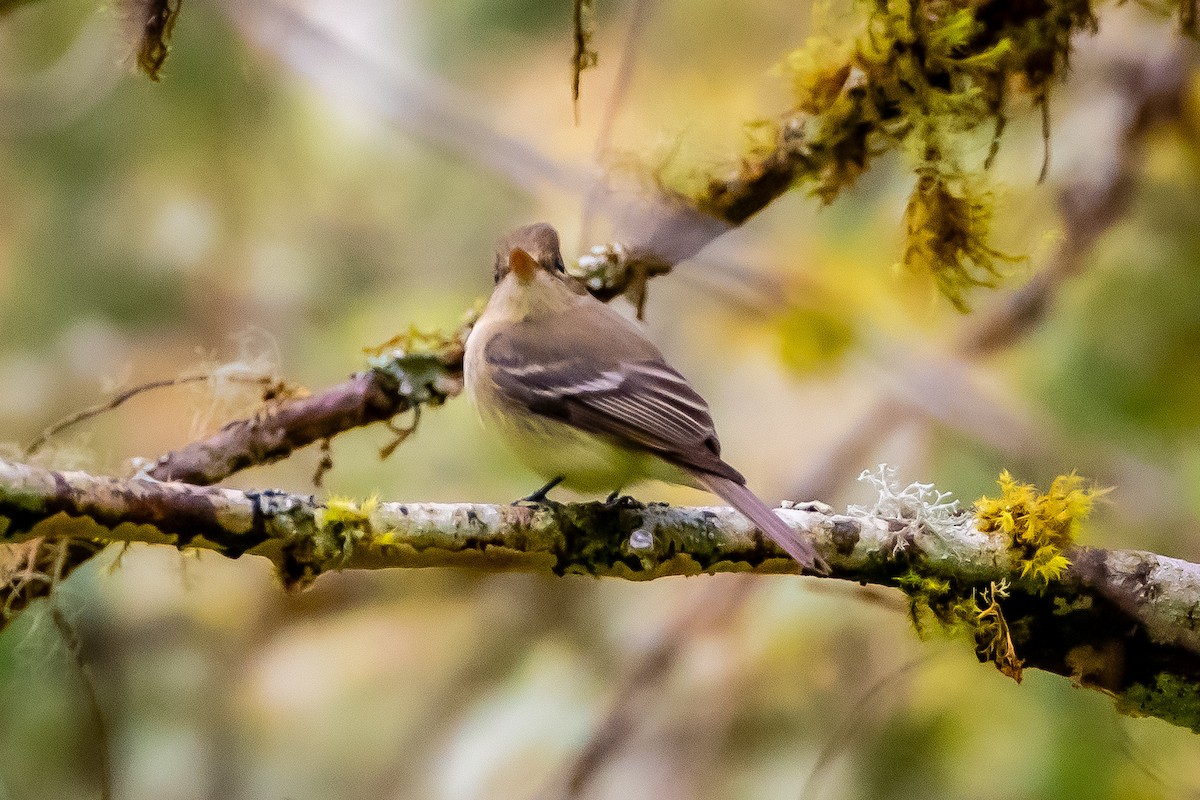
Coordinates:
x,y
930,79
1122,621
410,371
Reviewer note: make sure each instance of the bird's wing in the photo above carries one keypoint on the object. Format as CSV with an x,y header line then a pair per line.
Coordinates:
x,y
618,386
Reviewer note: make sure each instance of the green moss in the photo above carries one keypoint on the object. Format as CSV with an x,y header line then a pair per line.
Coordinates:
x,y
977,612
933,79
1171,698
916,585
155,36
14,498
948,233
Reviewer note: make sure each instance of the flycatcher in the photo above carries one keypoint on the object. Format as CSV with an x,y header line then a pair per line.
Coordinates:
x,y
586,399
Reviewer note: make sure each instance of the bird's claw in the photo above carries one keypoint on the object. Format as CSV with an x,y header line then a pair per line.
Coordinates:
x,y
617,501
539,498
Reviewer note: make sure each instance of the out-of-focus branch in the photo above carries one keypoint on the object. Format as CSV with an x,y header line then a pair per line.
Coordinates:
x,y
418,103
663,230
1124,621
1148,93
644,680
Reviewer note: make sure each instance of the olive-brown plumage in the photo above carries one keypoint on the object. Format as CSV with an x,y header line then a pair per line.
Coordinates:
x,y
583,395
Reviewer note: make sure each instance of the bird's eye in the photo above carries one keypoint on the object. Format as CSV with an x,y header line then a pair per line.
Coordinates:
x,y
559,265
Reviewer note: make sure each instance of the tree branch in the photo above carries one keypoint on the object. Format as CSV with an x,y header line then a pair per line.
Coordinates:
x,y
411,374
276,432
1124,621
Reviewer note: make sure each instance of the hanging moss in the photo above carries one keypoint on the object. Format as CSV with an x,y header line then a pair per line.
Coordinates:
x,y
940,603
584,57
932,79
948,237
155,22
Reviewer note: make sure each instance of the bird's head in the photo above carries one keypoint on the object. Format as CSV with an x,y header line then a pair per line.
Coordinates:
x,y
528,250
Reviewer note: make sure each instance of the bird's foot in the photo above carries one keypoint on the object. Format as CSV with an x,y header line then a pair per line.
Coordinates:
x,y
539,498
618,501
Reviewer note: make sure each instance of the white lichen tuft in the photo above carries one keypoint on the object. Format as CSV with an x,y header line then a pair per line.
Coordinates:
x,y
919,504
237,387
142,467
604,266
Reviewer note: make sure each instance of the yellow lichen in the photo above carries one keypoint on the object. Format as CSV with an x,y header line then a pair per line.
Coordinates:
x,y
346,512
1040,526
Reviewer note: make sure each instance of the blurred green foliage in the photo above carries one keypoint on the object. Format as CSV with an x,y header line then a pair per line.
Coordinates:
x,y
813,340
1143,377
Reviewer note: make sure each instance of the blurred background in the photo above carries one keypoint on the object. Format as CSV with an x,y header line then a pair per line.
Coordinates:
x,y
309,179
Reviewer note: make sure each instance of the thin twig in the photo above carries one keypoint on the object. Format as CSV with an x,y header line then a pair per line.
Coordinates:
x,y
115,402
119,399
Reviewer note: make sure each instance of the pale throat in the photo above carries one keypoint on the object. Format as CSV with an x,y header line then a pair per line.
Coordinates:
x,y
513,301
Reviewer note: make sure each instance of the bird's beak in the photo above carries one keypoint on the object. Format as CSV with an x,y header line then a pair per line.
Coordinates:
x,y
522,265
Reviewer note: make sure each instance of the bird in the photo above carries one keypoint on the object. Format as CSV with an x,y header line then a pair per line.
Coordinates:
x,y
586,399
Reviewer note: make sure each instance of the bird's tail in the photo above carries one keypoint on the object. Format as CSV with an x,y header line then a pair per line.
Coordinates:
x,y
745,501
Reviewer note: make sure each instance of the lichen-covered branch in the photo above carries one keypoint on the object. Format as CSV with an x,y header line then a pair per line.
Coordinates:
x,y
410,371
1124,621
